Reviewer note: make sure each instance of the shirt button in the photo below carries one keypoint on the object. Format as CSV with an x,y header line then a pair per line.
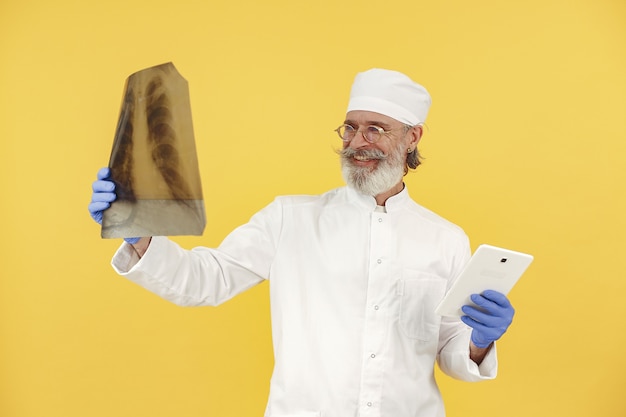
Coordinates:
x,y
376,307
380,261
369,404
380,220
373,355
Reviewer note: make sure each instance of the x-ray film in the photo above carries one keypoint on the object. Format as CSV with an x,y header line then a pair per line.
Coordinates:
x,y
153,161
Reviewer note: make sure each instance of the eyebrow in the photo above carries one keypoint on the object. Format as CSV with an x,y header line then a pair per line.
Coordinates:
x,y
368,123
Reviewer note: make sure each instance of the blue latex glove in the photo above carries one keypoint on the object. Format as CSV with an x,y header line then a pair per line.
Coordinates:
x,y
102,197
492,322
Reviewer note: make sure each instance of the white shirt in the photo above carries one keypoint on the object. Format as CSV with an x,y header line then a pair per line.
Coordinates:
x,y
353,292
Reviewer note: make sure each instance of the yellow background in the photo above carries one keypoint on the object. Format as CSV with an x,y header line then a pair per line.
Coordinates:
x,y
525,149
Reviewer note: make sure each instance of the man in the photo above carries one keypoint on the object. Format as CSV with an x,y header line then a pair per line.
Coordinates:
x,y
355,275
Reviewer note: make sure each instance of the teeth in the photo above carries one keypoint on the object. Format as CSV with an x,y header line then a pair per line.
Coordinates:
x,y
361,158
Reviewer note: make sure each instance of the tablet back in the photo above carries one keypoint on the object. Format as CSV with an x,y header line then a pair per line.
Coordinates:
x,y
490,268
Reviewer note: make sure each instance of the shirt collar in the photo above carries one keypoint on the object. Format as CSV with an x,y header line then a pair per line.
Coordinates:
x,y
368,202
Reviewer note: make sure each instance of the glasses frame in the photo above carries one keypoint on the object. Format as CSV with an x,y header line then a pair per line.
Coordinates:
x,y
364,132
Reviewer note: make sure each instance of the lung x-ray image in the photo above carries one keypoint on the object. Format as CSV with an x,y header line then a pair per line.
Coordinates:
x,y
153,161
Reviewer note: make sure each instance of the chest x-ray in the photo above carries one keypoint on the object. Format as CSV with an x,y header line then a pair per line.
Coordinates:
x,y
153,161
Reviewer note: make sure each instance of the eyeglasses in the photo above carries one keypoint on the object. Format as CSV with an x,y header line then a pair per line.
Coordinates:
x,y
371,133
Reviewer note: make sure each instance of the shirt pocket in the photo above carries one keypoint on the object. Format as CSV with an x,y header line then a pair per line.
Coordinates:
x,y
420,293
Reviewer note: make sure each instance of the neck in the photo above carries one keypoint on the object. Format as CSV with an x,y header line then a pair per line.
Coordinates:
x,y
381,198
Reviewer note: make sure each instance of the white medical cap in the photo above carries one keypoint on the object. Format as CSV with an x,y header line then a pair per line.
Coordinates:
x,y
390,93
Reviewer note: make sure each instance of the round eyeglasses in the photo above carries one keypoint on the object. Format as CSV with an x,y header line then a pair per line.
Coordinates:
x,y
371,133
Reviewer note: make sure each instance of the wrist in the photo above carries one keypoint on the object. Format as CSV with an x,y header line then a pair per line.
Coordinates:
x,y
141,245
478,354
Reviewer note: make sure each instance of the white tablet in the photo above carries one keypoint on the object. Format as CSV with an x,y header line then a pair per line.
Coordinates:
x,y
490,268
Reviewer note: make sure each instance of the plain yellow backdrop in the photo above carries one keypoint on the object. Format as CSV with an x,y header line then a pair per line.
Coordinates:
x,y
525,148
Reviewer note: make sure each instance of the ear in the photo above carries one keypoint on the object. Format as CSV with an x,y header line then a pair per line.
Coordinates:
x,y
415,134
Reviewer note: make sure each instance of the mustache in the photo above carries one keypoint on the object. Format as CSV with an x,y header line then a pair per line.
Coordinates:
x,y
364,153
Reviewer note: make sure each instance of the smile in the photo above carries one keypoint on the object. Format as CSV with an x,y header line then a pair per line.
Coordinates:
x,y
362,158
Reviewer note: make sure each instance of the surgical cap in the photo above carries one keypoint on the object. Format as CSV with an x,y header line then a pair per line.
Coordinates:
x,y
390,93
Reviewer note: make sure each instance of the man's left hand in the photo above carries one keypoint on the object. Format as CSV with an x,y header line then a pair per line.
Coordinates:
x,y
490,320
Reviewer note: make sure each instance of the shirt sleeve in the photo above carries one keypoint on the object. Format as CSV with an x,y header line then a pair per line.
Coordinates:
x,y
454,360
206,276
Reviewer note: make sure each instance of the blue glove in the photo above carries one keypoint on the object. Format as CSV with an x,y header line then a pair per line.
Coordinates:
x,y
491,321
102,197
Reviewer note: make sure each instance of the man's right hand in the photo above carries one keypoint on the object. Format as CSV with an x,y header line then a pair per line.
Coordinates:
x,y
102,197
103,194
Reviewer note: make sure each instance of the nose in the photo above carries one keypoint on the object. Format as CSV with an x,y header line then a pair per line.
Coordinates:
x,y
358,141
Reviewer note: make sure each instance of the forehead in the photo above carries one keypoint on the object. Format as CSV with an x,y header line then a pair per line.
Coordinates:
x,y
362,117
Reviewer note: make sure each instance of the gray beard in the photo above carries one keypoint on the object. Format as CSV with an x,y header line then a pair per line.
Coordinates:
x,y
373,181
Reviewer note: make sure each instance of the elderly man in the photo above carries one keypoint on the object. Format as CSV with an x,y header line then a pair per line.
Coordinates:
x,y
355,275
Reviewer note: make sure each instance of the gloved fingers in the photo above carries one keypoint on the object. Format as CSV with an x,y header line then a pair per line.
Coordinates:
x,y
103,194
104,173
483,335
500,307
490,318
497,297
96,209
103,197
96,206
478,326
486,318
100,186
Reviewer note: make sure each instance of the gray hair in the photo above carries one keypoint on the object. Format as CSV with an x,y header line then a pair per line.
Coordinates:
x,y
413,159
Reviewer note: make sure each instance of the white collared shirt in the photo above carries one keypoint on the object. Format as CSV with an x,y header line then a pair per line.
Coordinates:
x,y
353,292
